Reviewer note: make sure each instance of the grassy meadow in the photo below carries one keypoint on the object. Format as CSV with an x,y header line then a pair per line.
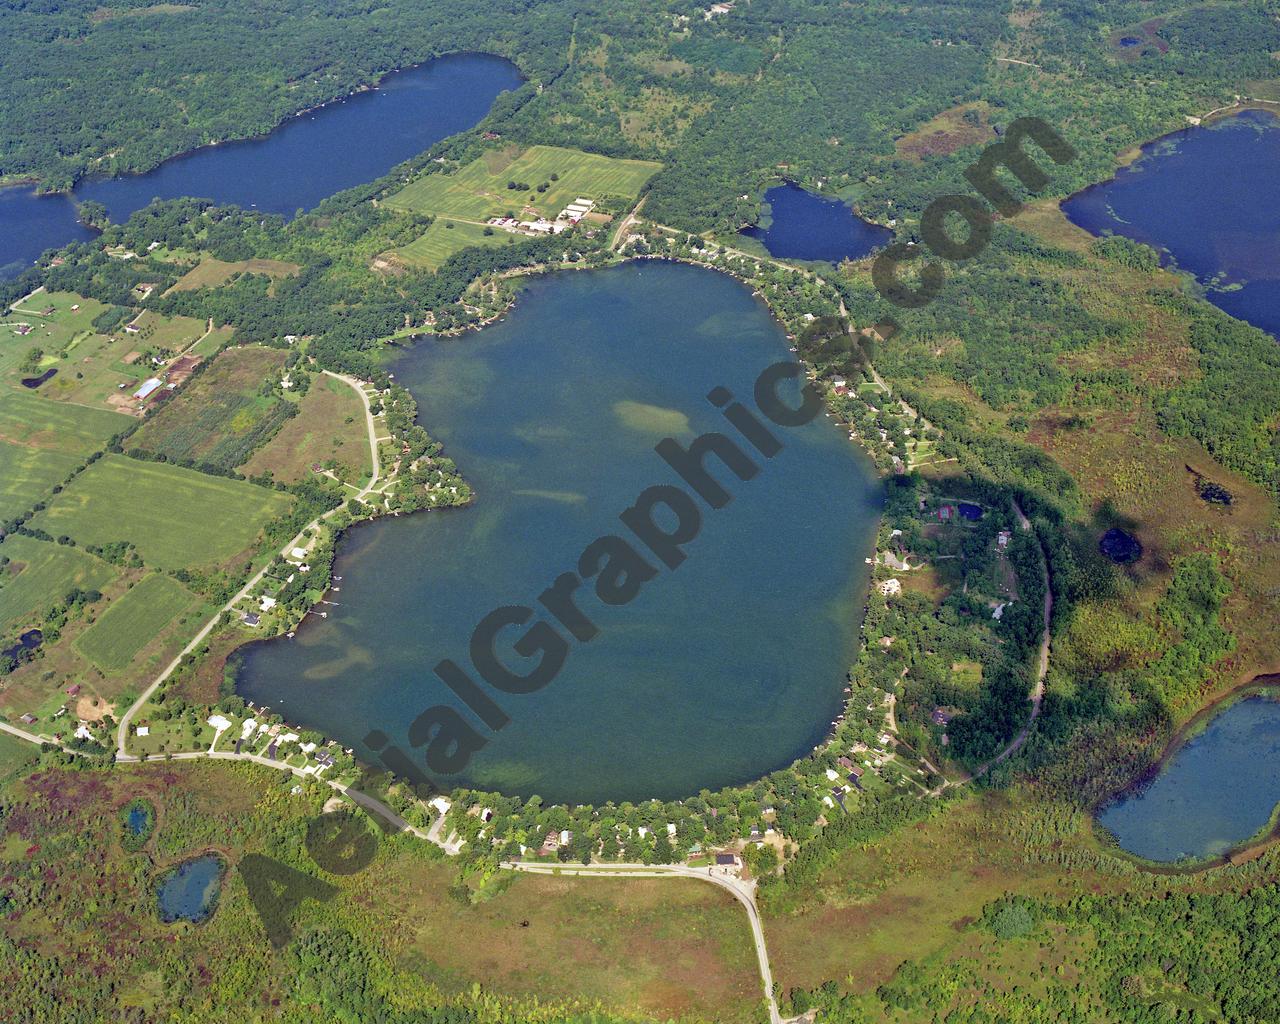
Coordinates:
x,y
210,272
444,238
328,431
176,518
39,573
131,622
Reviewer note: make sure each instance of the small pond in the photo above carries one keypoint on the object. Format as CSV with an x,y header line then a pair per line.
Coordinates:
x,y
189,892
800,225
35,382
1119,546
28,641
1213,793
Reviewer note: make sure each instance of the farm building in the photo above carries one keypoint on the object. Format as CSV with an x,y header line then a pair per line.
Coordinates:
x,y
150,385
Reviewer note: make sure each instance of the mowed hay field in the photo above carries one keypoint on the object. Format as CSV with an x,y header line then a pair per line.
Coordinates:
x,y
39,573
176,518
210,273
666,948
41,442
131,622
479,190
444,238
329,431
220,417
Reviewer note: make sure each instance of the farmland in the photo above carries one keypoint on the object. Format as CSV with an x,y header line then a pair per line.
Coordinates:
x,y
36,422
39,573
480,189
176,518
210,273
28,475
130,623
221,417
328,431
55,326
444,238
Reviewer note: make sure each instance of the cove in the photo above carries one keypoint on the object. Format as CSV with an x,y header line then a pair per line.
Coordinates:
x,y
305,160
1214,792
800,225
723,669
1208,198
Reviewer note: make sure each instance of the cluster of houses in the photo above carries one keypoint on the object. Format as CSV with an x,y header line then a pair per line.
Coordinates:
x,y
565,219
265,602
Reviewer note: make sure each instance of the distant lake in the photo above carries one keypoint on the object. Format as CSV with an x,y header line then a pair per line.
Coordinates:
x,y
189,892
305,160
719,671
800,225
1209,199
1217,791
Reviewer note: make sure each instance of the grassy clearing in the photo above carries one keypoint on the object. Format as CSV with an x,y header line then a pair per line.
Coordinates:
x,y
668,948
221,416
28,475
174,334
446,237
55,326
477,191
211,273
130,623
177,518
329,431
32,421
39,573
15,755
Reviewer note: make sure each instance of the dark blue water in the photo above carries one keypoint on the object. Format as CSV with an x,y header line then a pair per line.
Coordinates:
x,y
190,891
719,671
1209,199
1215,793
30,224
806,226
28,641
305,160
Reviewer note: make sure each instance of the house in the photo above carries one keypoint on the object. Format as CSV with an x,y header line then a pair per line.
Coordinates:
x,y
727,860
441,804
891,588
1002,539
940,716
28,718
324,759
250,618
832,775
267,603
566,837
131,328
298,553
855,771
844,762
945,513
142,730
219,723
23,329
82,731
73,690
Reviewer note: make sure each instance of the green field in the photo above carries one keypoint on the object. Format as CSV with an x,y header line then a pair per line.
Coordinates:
x,y
479,190
32,421
27,474
441,241
59,331
177,518
38,574
15,755
133,621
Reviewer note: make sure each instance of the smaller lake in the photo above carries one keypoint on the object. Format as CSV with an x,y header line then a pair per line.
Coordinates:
x,y
137,820
30,224
1216,792
1208,199
190,891
800,225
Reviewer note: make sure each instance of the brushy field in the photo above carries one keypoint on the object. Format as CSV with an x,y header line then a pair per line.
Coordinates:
x,y
210,273
479,190
444,238
174,333
130,623
176,518
329,430
220,417
38,574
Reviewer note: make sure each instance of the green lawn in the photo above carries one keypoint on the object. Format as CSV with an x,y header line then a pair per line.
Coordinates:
x,y
479,190
177,518
133,621
54,332
441,241
40,573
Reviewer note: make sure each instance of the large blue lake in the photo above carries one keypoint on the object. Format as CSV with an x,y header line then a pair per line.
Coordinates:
x,y
305,160
800,225
720,670
1217,791
1206,198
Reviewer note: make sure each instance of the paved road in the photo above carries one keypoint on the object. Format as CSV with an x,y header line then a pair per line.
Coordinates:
x,y
122,730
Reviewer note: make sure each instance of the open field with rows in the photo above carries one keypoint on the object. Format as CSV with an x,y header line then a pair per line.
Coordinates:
x,y
176,518
220,417
479,190
135,619
444,238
